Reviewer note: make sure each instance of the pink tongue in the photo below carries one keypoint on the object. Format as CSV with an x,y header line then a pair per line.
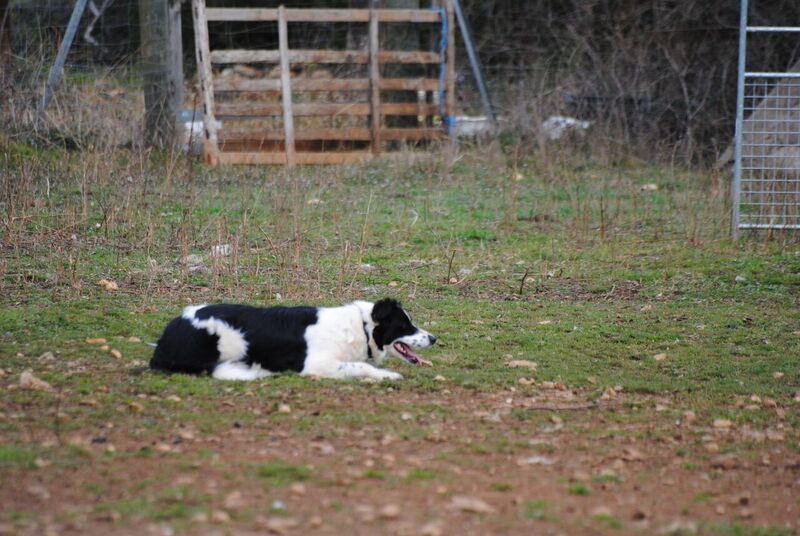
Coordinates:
x,y
407,352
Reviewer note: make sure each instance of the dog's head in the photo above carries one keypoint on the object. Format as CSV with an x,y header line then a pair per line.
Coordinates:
x,y
395,334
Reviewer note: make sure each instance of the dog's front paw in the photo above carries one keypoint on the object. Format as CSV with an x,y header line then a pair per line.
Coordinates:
x,y
390,375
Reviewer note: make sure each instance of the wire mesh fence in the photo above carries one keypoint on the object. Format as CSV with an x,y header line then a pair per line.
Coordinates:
x,y
770,154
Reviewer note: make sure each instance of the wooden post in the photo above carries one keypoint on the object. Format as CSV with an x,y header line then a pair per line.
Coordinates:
x,y
176,54
450,71
374,82
286,87
158,85
210,144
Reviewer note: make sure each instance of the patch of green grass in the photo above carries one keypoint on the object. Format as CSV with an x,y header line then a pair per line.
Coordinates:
x,y
608,521
375,474
416,475
536,510
278,473
607,478
501,486
738,529
18,456
578,489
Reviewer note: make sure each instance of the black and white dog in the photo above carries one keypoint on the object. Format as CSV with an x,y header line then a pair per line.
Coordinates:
x,y
240,342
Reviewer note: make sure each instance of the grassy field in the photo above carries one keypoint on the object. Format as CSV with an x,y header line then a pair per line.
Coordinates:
x,y
664,396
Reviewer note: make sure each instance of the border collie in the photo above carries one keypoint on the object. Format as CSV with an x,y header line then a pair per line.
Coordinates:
x,y
240,342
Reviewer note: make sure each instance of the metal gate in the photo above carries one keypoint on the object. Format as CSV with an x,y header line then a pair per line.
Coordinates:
x,y
766,175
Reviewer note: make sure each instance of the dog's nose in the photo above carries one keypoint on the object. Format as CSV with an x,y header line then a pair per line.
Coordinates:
x,y
432,339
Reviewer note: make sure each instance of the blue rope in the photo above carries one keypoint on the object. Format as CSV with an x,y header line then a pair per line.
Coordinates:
x,y
449,122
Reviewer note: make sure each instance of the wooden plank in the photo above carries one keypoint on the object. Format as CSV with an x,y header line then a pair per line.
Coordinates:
x,y
408,108
400,134
322,15
229,112
271,158
409,84
450,71
298,84
210,146
286,86
374,80
306,109
408,56
323,56
305,134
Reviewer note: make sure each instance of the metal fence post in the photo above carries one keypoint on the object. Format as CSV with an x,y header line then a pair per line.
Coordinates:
x,y
736,186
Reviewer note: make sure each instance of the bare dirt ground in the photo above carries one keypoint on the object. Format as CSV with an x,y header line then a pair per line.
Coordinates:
x,y
376,459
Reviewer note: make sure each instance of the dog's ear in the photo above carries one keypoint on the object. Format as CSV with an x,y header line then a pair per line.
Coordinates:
x,y
384,309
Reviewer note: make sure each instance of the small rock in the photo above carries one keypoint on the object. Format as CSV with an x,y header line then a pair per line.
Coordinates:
x,y
660,357
722,423
134,340
434,528
47,357
777,375
297,488
220,516
28,381
471,504
769,403
649,187
135,407
392,283
116,354
740,279
523,363
535,460
233,500
630,454
689,417
284,408
609,394
646,308
746,513
89,402
713,448
173,398
280,525
406,416
526,381
315,521
38,491
604,511
439,378
108,285
390,511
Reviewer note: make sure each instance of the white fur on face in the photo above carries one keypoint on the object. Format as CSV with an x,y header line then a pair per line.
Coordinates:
x,y
232,346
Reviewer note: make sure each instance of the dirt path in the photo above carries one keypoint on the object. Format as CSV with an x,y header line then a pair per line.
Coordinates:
x,y
374,460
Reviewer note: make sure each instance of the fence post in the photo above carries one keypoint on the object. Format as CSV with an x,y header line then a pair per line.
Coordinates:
x,y
374,81
205,74
157,80
286,87
61,57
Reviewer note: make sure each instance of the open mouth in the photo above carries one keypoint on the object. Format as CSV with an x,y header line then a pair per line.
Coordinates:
x,y
408,354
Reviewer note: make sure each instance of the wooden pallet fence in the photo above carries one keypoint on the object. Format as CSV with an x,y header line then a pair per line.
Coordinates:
x,y
259,115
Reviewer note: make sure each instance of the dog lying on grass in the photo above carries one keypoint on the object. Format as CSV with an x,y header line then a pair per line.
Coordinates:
x,y
240,342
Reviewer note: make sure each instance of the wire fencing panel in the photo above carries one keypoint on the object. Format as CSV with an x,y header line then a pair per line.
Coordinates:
x,y
770,154
766,175
98,101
